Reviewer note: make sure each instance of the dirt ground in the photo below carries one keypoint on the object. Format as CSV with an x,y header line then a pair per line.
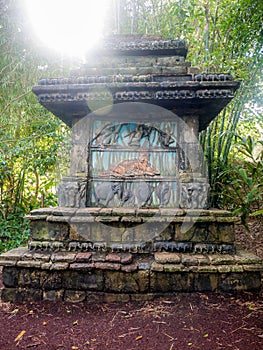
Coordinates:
x,y
186,321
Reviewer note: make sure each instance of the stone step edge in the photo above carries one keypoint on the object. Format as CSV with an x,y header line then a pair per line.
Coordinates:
x,y
160,262
141,212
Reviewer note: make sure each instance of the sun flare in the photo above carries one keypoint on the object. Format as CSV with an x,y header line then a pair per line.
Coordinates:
x,y
70,27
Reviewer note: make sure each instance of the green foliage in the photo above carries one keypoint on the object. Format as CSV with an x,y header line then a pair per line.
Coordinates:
x,y
222,36
30,137
241,183
14,232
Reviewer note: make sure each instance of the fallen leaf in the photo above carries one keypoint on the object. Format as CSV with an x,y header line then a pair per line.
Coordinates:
x,y
44,323
74,347
31,312
75,323
13,313
189,344
206,335
20,335
139,337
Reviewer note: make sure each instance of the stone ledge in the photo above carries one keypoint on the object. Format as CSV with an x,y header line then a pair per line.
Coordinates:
x,y
71,213
22,257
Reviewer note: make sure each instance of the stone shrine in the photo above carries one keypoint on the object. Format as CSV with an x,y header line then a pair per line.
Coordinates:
x,y
133,220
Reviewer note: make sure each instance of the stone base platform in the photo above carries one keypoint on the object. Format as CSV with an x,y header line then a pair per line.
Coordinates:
x,y
104,276
133,230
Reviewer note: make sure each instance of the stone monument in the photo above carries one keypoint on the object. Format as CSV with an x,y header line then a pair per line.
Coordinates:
x,y
133,220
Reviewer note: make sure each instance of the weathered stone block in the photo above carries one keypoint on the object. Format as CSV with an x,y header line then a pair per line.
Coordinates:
x,y
83,280
8,262
126,258
159,282
59,266
173,268
130,268
29,263
172,282
31,278
107,266
113,258
145,264
237,268
46,265
95,297
219,259
52,280
99,257
10,276
116,298
14,254
142,297
223,268
18,295
157,267
206,282
182,282
206,268
53,295
83,257
42,256
102,232
226,232
63,257
240,281
82,266
253,267
150,231
45,231
122,282
197,232
246,258
74,296
190,260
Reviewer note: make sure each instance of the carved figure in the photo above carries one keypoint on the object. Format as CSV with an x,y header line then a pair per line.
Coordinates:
x,y
144,131
194,196
106,191
128,198
143,194
72,194
131,168
74,246
163,192
99,246
201,248
106,136
56,246
116,247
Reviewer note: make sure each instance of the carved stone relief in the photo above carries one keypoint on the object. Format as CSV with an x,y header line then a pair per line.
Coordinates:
x,y
194,195
72,193
106,192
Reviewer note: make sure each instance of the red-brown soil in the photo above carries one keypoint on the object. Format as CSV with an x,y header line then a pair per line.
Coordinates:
x,y
186,321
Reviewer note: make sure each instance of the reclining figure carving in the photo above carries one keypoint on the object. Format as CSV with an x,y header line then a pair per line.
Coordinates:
x,y
132,168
